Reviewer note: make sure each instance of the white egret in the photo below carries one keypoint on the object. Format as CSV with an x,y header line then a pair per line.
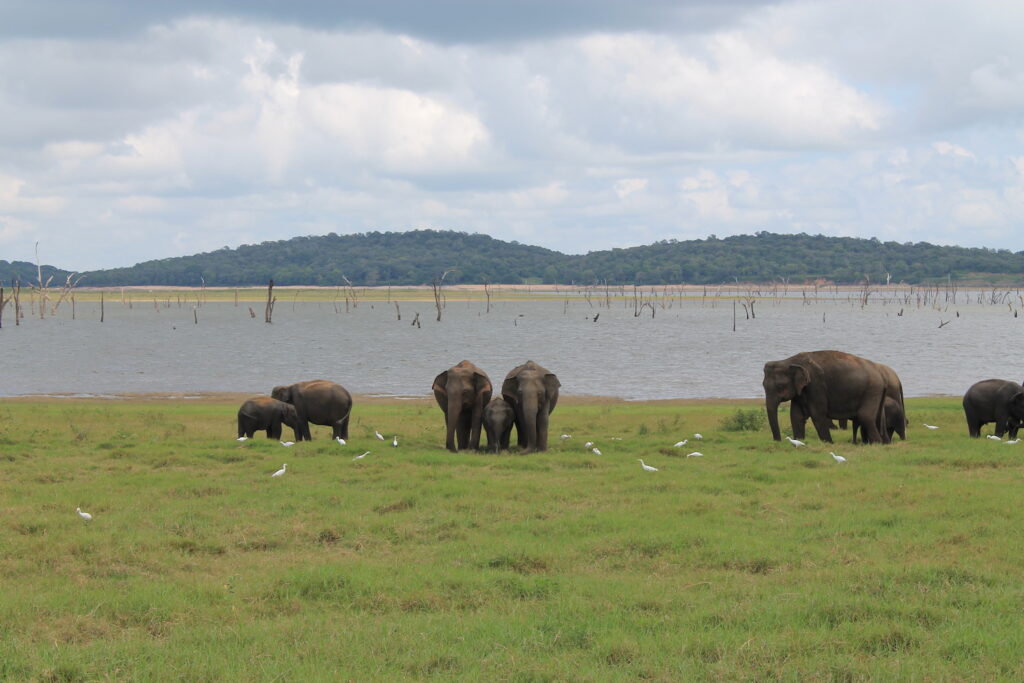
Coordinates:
x,y
680,444
695,454
379,435
930,426
84,515
646,466
341,441
287,443
242,438
595,451
360,457
394,441
280,471
795,442
589,444
565,436
838,458
1012,441
994,437
698,437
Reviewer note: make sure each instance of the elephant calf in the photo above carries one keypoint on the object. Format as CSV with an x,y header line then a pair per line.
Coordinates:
x,y
895,421
994,400
266,413
499,417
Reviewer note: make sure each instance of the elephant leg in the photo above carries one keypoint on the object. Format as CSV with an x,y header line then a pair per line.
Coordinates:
x,y
475,421
856,426
868,418
274,431
542,429
343,426
821,424
506,436
463,430
797,419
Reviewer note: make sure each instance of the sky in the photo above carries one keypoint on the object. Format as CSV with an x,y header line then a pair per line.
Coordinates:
x,y
138,130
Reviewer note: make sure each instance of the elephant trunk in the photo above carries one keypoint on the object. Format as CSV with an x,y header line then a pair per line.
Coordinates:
x,y
454,413
772,406
530,408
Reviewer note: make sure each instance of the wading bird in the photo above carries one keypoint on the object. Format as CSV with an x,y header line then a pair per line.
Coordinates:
x,y
287,443
394,441
695,454
1012,441
646,466
595,451
341,441
994,437
930,426
795,442
565,436
379,435
84,515
680,444
589,444
838,458
698,437
363,455
242,438
280,472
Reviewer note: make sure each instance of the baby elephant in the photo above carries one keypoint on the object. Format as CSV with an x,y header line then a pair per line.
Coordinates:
x,y
499,417
994,400
895,421
266,413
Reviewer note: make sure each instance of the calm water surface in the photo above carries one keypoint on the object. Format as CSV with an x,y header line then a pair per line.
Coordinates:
x,y
687,351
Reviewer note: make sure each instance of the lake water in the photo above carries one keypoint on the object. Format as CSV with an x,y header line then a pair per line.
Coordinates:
x,y
687,351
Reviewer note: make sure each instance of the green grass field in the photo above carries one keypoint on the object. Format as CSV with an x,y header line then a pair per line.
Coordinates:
x,y
759,561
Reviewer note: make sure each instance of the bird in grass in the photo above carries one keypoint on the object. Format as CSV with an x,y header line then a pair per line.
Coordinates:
x,y
341,441
695,454
589,444
994,437
595,451
698,437
795,442
287,443
837,458
563,437
242,438
379,436
394,441
680,444
646,466
84,515
280,472
928,426
1012,441
361,456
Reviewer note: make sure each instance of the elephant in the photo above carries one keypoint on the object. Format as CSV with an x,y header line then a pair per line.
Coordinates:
x,y
264,412
462,391
826,385
499,416
994,400
319,401
895,420
533,393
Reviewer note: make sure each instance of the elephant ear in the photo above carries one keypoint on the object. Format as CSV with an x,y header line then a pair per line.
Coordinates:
x,y
282,393
509,388
482,384
440,388
801,378
551,385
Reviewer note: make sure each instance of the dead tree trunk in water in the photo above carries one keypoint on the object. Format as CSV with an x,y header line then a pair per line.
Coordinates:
x,y
269,313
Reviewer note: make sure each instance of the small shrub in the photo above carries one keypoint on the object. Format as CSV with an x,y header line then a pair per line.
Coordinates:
x,y
752,420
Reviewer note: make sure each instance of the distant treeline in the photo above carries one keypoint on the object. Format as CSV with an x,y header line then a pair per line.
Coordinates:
x,y
418,257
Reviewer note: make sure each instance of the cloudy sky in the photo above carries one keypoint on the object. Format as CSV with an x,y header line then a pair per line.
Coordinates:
x,y
138,130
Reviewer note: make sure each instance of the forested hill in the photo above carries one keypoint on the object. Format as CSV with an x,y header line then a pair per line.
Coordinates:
x,y
417,257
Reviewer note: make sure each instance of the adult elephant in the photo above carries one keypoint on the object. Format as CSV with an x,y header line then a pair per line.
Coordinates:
x,y
319,401
462,391
826,385
994,400
264,412
533,393
499,416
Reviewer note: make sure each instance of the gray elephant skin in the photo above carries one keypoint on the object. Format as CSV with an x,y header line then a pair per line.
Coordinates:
x,y
264,412
533,393
319,401
826,385
499,416
994,400
895,421
462,391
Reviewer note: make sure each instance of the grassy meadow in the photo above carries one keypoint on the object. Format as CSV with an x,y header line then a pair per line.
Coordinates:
x,y
758,561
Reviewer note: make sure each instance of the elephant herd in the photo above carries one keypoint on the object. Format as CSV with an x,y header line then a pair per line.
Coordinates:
x,y
528,395
833,385
819,385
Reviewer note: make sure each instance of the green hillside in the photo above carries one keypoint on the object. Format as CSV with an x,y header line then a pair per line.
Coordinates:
x,y
417,257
